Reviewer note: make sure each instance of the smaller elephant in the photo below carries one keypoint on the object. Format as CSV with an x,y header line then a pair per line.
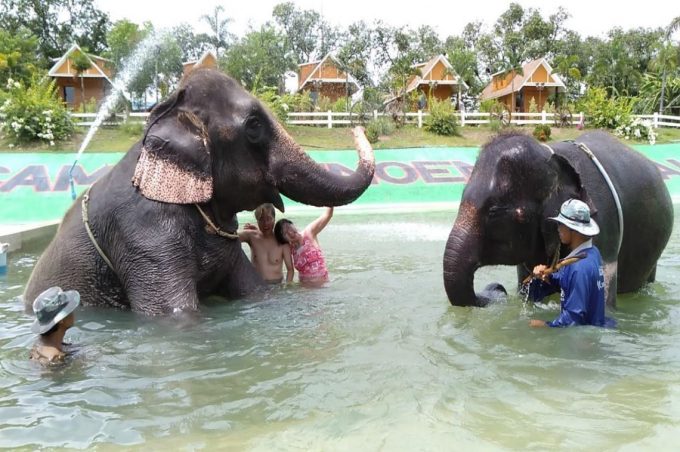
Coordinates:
x,y
517,183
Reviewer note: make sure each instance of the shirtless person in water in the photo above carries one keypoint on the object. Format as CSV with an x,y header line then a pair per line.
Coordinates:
x,y
266,254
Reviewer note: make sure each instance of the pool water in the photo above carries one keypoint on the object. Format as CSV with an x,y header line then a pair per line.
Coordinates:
x,y
376,360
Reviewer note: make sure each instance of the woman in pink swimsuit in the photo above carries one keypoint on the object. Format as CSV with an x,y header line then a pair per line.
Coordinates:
x,y
307,255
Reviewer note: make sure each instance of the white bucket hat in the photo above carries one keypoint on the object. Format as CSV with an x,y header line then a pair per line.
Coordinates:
x,y
52,306
575,215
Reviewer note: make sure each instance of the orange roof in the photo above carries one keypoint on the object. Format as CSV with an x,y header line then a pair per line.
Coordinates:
x,y
315,74
426,72
520,81
100,66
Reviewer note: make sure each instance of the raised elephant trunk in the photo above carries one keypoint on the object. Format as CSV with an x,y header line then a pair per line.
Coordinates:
x,y
300,178
461,258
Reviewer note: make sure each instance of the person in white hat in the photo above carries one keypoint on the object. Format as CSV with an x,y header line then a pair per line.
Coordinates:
x,y
581,284
54,315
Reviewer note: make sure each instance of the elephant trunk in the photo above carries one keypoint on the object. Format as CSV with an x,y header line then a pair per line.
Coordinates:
x,y
300,178
461,258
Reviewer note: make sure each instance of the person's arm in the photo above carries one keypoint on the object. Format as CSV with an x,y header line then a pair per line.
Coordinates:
x,y
543,285
288,260
246,235
574,307
316,226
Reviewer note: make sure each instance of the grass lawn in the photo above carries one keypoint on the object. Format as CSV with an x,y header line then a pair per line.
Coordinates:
x,y
119,139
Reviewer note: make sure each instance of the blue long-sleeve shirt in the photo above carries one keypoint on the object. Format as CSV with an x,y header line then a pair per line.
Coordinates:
x,y
582,289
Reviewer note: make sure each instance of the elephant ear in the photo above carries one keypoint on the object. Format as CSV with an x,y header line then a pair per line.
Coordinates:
x,y
567,183
175,165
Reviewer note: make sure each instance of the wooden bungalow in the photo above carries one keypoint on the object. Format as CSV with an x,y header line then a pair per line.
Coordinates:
x,y
325,78
208,59
96,81
435,79
515,91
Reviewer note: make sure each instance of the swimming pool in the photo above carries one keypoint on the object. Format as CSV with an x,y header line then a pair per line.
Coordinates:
x,y
378,359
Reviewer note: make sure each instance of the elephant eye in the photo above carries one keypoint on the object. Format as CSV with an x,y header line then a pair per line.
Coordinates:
x,y
254,129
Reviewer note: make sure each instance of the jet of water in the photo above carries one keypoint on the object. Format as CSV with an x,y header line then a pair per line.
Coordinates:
x,y
130,68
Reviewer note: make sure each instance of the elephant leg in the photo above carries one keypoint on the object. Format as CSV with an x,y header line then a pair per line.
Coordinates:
x,y
242,279
166,292
610,284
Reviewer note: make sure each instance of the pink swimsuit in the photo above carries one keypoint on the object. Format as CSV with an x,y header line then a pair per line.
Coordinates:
x,y
308,261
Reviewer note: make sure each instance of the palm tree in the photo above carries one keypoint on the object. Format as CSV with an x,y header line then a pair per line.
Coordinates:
x,y
512,66
672,28
218,26
81,63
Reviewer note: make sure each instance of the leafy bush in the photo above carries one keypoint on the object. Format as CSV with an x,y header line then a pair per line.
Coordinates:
x,y
542,132
34,113
372,134
339,105
441,119
133,128
270,97
487,105
298,102
637,129
603,112
533,108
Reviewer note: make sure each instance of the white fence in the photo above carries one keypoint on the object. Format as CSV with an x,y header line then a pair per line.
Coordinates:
x,y
333,119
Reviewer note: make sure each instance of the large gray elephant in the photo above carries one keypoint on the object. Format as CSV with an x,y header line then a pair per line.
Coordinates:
x,y
517,183
165,216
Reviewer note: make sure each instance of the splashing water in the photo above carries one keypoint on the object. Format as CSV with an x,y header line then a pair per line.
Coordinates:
x,y
131,67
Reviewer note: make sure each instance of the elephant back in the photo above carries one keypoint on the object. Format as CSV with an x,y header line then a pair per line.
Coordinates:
x,y
645,203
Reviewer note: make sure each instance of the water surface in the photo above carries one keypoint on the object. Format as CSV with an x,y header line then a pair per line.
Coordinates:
x,y
376,360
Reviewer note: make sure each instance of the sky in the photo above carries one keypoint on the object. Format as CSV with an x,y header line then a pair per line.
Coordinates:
x,y
448,17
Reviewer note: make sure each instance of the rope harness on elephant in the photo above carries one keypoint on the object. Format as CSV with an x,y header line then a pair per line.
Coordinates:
x,y
608,180
86,221
213,229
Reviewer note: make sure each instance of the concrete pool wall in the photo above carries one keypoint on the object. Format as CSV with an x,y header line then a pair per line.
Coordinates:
x,y
35,192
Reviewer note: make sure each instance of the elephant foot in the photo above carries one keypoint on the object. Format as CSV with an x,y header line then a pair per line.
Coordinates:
x,y
492,293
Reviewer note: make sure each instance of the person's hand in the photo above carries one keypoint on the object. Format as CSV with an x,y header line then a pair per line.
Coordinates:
x,y
535,323
539,272
250,227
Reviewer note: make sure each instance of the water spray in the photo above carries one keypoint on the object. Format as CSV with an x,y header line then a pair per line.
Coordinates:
x,y
131,67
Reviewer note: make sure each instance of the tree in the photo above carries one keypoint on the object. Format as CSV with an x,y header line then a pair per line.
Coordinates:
x,y
464,63
220,36
17,56
307,35
57,24
123,37
81,63
259,59
355,52
667,55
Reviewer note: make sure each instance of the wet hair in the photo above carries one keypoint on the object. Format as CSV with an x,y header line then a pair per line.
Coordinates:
x,y
278,230
266,207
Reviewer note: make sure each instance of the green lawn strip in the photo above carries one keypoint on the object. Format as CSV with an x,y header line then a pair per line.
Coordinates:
x,y
120,139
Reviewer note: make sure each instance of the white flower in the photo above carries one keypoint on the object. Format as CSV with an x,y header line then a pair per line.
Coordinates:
x,y
10,83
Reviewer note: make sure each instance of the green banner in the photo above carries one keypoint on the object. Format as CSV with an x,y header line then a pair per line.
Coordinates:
x,y
35,187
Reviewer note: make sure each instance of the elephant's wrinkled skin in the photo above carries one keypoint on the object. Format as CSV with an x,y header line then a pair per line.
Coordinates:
x,y
517,183
211,144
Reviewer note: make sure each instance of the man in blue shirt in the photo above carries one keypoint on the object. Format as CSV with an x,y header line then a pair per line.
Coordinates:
x,y
581,283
